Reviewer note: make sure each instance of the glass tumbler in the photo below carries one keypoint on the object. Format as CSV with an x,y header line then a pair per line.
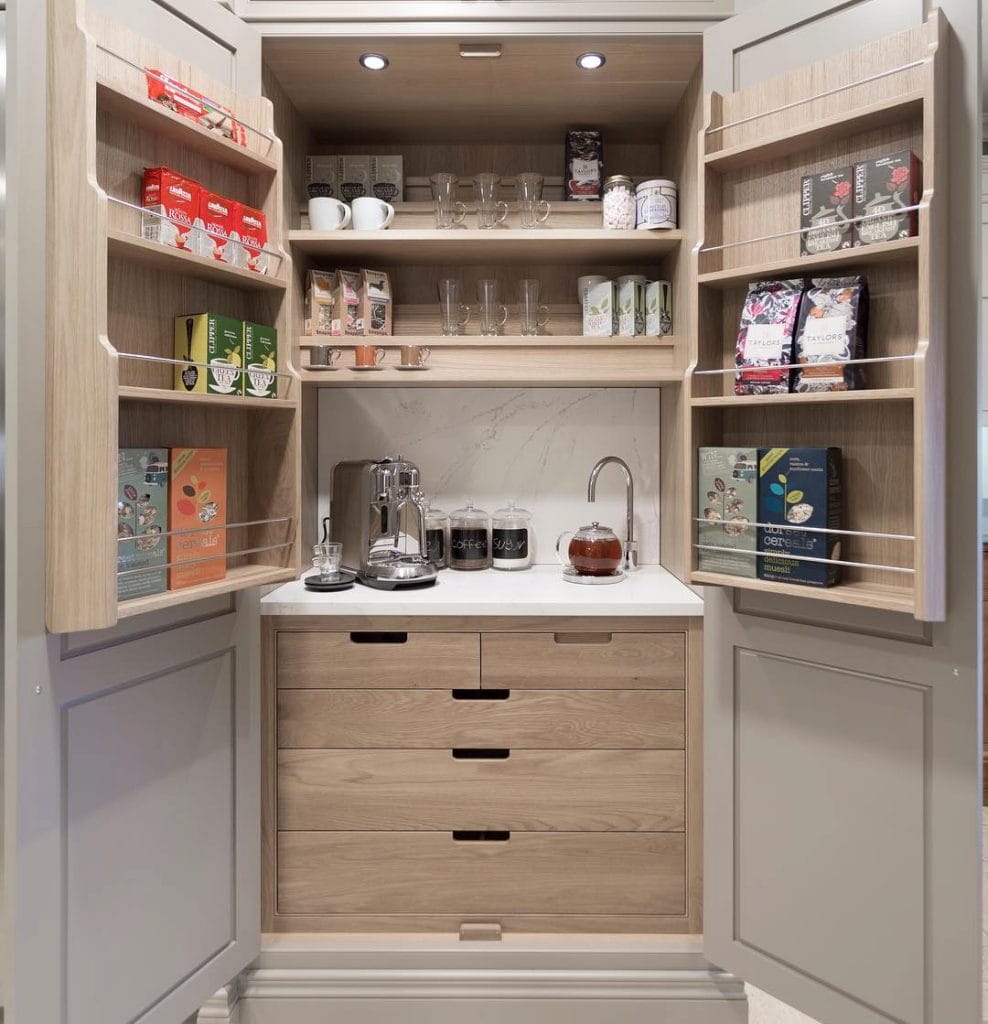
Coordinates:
x,y
490,211
449,212
327,558
534,209
493,313
453,314
532,315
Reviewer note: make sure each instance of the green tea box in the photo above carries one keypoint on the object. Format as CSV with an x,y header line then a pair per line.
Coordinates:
x,y
142,515
260,360
600,310
210,350
799,487
727,483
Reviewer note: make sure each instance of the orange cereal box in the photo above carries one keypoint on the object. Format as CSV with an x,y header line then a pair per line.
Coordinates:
x,y
197,499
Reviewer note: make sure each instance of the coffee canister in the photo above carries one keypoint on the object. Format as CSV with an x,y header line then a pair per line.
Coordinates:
x,y
511,538
656,203
469,538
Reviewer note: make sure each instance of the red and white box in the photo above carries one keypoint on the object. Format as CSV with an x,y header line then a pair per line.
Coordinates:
x,y
254,237
190,103
175,199
217,219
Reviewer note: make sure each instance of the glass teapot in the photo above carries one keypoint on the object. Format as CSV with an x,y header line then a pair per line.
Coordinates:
x,y
593,550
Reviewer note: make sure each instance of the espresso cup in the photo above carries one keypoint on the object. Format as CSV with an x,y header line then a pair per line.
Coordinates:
x,y
328,214
367,355
414,355
372,214
323,355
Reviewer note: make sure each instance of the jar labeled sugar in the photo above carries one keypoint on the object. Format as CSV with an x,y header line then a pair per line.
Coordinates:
x,y
619,203
657,204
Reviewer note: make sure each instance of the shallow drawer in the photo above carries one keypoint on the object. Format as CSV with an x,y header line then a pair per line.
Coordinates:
x,y
518,719
529,873
439,660
555,790
647,661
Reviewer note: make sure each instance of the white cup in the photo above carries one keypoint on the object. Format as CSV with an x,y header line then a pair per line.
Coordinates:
x,y
371,214
328,214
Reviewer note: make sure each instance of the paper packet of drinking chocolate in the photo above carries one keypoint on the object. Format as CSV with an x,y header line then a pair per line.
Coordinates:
x,y
833,328
763,350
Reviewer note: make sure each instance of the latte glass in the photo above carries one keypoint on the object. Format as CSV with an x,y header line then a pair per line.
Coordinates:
x,y
493,314
534,209
449,212
453,314
530,313
490,211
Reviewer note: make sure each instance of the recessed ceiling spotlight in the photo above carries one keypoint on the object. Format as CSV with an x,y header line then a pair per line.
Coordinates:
x,y
591,60
374,61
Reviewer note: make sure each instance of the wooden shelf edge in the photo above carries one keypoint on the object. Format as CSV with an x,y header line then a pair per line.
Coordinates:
x,y
504,341
389,377
864,595
239,578
534,236
809,398
129,393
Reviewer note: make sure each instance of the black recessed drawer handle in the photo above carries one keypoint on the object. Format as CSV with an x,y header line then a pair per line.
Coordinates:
x,y
582,638
481,694
480,836
379,638
481,753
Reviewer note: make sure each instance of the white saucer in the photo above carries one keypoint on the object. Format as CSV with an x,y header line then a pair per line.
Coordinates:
x,y
401,366
572,576
319,367
222,391
259,394
366,369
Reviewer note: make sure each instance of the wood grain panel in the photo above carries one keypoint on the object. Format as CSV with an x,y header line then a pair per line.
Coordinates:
x,y
585,790
430,873
423,660
546,719
640,661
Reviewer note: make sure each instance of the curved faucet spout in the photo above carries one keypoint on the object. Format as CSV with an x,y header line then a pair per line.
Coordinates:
x,y
630,546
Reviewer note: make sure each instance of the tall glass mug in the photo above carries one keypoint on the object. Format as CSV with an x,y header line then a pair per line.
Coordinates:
x,y
449,212
453,314
534,209
490,211
532,315
493,315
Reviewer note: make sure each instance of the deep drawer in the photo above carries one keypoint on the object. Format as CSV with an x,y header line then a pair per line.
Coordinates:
x,y
529,873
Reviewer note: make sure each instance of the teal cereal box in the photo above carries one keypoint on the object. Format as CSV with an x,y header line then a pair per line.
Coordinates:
x,y
142,515
727,484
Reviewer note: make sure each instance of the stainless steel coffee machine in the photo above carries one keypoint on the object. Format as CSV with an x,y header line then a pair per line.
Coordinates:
x,y
374,506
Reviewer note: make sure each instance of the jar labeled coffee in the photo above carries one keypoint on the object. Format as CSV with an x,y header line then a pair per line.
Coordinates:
x,y
436,539
511,538
469,538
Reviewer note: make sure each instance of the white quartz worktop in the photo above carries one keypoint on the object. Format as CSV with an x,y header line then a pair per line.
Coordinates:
x,y
541,590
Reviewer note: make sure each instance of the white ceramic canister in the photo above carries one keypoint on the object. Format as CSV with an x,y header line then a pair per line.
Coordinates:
x,y
656,202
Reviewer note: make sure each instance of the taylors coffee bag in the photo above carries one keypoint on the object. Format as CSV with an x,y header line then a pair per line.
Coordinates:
x,y
833,328
727,484
584,165
763,350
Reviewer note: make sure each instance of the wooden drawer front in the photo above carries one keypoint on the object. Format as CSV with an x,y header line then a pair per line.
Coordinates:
x,y
438,660
644,661
539,719
557,790
431,873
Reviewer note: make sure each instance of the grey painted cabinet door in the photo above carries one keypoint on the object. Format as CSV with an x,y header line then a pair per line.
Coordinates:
x,y
131,756
842,746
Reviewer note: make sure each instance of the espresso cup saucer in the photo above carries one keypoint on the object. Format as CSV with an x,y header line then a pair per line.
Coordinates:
x,y
314,582
320,367
403,366
366,369
570,575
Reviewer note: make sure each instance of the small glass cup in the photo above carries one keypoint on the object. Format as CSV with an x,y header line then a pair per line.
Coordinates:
x,y
534,209
328,558
532,315
449,212
453,314
493,313
490,211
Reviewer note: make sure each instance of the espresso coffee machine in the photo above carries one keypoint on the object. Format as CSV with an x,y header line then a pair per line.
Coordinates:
x,y
374,505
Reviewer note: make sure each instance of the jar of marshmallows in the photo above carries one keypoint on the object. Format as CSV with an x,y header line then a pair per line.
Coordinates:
x,y
619,203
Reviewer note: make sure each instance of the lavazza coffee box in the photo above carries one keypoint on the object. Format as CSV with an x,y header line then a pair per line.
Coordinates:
x,y
172,202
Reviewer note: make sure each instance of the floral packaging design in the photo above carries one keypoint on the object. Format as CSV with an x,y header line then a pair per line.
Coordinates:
x,y
826,207
833,328
142,516
763,350
883,188
197,501
799,487
726,501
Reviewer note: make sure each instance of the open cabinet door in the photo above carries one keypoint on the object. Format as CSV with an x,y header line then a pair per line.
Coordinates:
x,y
842,740
131,753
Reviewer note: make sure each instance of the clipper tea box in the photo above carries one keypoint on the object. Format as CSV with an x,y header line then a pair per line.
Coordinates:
x,y
142,514
799,487
197,500
211,348
883,188
727,502
826,205
260,361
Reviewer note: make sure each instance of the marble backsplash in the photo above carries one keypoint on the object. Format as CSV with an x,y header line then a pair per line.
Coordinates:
x,y
490,445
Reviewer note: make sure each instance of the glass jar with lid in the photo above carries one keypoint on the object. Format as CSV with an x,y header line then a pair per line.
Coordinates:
x,y
436,536
511,538
619,203
469,538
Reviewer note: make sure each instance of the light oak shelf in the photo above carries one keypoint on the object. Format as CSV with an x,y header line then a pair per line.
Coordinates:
x,y
809,398
900,251
501,341
117,99
128,393
476,246
237,578
166,257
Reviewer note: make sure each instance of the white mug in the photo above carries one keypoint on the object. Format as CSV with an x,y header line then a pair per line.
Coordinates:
x,y
328,214
370,214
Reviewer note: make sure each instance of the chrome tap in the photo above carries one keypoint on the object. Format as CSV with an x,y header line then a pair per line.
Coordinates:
x,y
630,545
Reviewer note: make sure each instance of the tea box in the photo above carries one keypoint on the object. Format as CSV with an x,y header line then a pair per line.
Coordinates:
x,y
387,179
727,500
211,350
197,509
188,102
348,318
260,361
353,177
320,302
142,516
320,177
599,307
832,328
216,219
175,200
375,298
658,308
825,210
253,231
584,165
799,487
883,188
763,350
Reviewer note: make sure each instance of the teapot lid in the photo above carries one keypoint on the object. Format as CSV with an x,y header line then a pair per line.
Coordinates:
x,y
595,531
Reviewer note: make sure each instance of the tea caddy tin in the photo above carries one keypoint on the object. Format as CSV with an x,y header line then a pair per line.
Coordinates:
x,y
657,204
